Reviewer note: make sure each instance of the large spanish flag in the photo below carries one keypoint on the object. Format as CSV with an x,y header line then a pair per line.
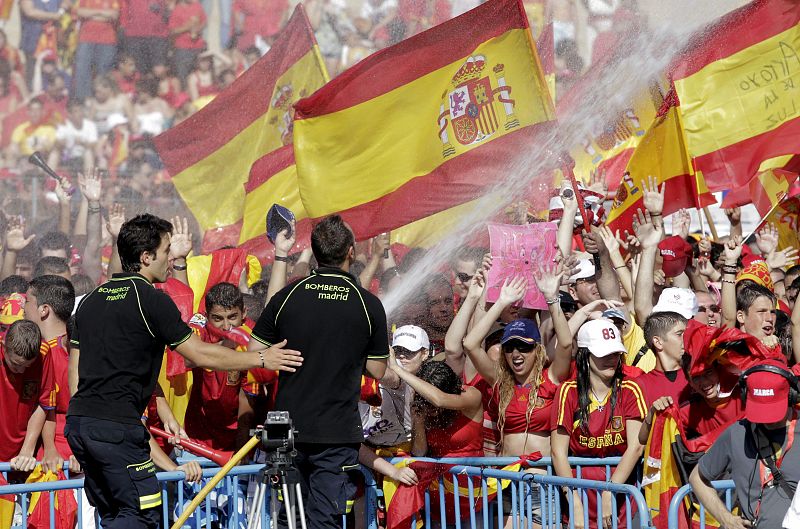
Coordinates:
x,y
424,125
210,154
739,91
662,154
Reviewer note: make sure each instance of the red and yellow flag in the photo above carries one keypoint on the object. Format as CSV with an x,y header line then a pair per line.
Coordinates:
x,y
764,191
424,125
210,154
230,265
786,218
739,91
662,154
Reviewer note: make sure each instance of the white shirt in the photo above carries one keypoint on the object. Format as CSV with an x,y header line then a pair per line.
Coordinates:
x,y
74,139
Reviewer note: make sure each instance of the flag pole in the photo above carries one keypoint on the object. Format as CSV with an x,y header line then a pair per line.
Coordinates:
x,y
710,222
567,167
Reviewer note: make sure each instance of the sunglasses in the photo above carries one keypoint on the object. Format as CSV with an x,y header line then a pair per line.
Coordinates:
x,y
461,276
713,308
522,347
402,352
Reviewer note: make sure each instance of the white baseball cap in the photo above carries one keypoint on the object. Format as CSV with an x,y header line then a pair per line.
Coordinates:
x,y
585,270
601,337
680,300
411,337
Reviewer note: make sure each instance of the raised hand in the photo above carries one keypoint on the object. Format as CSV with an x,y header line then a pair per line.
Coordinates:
x,y
116,218
767,239
548,278
598,182
63,191
513,291
380,245
652,196
681,220
15,235
782,258
477,284
734,215
594,309
90,185
181,240
732,250
610,240
646,231
283,242
570,265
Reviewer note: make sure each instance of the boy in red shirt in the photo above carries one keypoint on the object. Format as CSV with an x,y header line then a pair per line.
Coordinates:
x,y
49,303
212,413
97,43
27,394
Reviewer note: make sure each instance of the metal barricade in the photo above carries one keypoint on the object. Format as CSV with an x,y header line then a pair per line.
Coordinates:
x,y
676,504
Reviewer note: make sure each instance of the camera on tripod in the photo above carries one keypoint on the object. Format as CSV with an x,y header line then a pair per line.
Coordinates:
x,y
277,434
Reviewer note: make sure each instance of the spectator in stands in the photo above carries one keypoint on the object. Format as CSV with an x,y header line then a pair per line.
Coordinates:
x,y
186,23
256,22
35,14
76,139
437,299
467,261
97,43
35,134
153,114
144,25
202,82
758,452
107,101
27,387
126,75
55,244
52,266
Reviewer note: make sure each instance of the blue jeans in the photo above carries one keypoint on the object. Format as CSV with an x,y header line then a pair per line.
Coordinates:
x,y
225,10
91,57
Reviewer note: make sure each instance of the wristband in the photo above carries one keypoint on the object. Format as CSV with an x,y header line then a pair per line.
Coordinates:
x,y
282,258
729,281
261,356
179,268
553,301
620,266
655,214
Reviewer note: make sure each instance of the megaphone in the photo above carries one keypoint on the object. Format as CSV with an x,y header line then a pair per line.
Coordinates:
x,y
38,160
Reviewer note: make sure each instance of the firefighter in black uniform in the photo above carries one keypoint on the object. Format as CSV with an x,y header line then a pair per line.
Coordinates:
x,y
121,329
341,329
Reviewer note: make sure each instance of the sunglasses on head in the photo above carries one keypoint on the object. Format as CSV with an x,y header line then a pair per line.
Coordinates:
x,y
520,346
463,277
713,308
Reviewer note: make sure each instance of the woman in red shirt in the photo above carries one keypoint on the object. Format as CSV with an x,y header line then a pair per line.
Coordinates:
x,y
598,415
186,24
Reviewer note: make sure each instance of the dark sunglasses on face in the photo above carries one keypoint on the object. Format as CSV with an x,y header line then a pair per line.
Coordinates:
x,y
713,308
463,277
402,352
522,347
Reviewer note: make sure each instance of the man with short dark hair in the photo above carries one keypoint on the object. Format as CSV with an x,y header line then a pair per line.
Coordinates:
x,y
50,265
55,244
755,310
341,329
118,340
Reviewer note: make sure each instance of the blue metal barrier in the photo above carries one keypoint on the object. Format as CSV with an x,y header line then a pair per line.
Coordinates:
x,y
676,504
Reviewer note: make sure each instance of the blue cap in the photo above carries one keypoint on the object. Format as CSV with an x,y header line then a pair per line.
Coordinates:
x,y
279,218
524,330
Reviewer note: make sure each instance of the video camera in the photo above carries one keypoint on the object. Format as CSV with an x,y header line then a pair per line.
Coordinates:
x,y
277,437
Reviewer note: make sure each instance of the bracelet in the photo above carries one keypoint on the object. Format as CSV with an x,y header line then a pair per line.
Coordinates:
x,y
655,214
282,258
179,268
553,301
94,209
729,281
261,356
620,266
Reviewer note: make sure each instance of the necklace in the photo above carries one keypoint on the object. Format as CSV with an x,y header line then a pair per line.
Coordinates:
x,y
600,407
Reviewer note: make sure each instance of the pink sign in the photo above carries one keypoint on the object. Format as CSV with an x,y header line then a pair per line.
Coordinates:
x,y
516,250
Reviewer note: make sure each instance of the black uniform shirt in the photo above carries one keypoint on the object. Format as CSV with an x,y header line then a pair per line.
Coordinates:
x,y
121,328
337,326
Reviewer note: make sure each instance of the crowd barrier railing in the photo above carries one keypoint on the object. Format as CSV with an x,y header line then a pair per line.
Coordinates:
x,y
516,501
677,502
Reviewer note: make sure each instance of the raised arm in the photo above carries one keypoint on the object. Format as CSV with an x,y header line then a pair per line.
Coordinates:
x,y
180,247
279,276
548,278
567,224
730,253
469,400
510,293
611,242
15,243
453,340
92,189
649,235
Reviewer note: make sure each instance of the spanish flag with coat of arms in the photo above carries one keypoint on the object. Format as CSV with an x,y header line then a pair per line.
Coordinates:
x,y
428,124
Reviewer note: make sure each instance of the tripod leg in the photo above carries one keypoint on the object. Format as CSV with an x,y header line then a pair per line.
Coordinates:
x,y
288,503
253,517
301,508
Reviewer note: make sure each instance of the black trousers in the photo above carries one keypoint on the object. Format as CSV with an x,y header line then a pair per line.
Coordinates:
x,y
327,473
120,478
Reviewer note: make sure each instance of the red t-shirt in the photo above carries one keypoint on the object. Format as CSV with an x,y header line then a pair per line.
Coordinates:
x,y
180,16
606,434
261,17
699,417
657,384
144,18
98,31
19,396
60,356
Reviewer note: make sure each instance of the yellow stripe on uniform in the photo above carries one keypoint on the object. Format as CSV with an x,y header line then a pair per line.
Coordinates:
x,y
150,501
641,403
565,387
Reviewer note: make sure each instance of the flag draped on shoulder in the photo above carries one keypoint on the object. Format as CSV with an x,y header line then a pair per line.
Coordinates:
x,y
661,153
210,155
739,90
424,125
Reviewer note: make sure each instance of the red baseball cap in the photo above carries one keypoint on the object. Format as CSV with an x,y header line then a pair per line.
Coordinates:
x,y
675,253
767,395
